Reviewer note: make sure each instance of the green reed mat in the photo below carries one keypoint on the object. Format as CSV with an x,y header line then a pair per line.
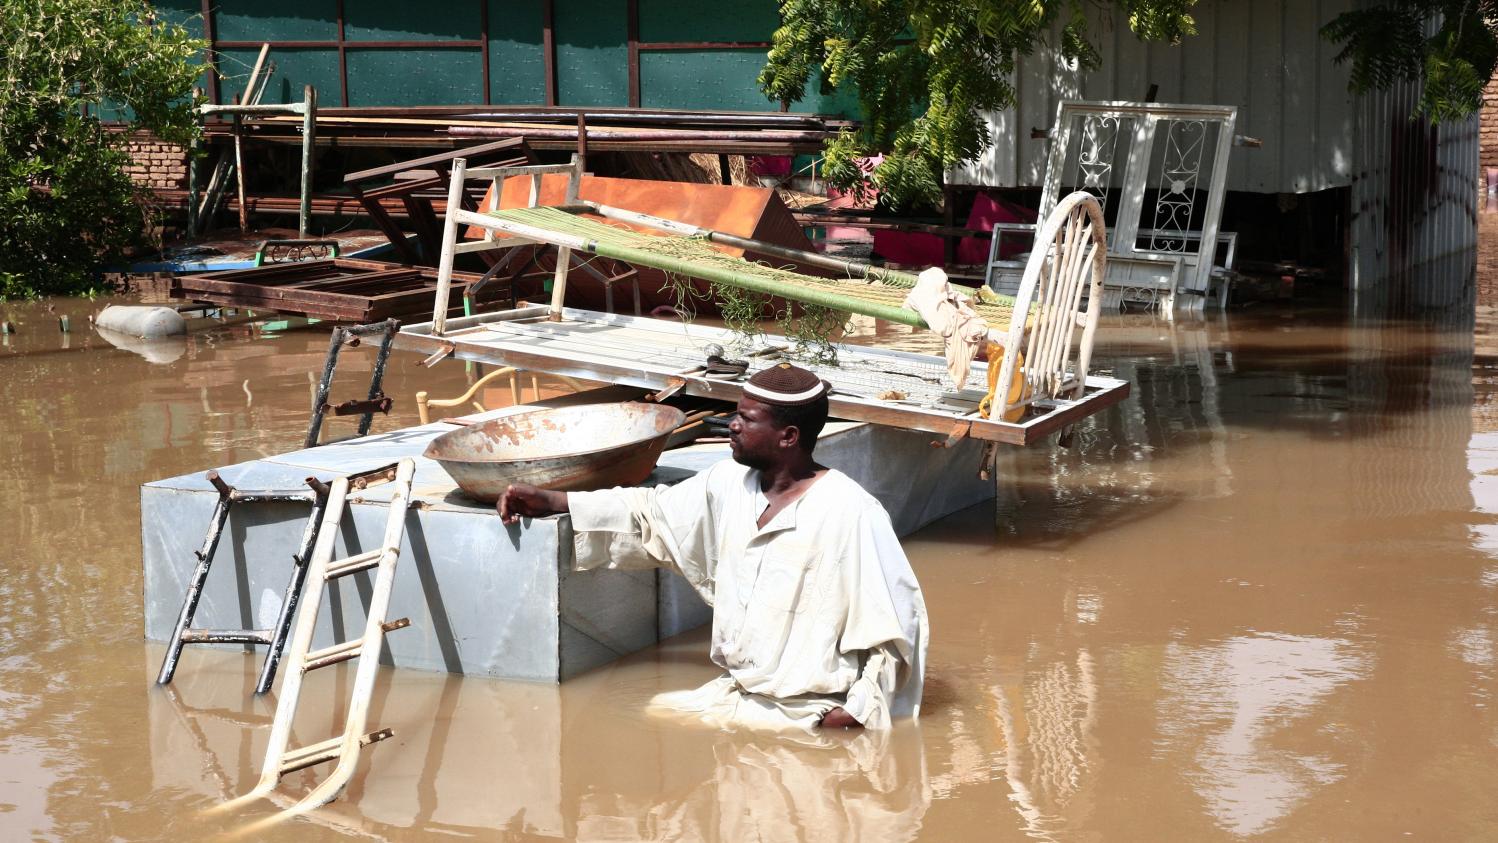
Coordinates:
x,y
696,257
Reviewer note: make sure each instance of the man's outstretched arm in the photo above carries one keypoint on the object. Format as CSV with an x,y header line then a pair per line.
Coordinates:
x,y
527,501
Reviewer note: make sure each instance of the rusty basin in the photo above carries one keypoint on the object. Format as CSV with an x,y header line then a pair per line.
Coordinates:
x,y
592,446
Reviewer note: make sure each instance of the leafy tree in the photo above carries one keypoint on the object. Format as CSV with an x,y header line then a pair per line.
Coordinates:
x,y
66,204
1386,44
926,70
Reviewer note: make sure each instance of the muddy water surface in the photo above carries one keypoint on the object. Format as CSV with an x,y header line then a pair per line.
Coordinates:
x,y
1257,600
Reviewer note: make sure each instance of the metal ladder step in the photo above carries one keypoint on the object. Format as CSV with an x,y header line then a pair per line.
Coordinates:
x,y
306,756
354,564
227,636
346,650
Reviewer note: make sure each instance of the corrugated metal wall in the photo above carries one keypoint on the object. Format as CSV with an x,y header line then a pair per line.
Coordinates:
x,y
1414,186
1414,203
1264,56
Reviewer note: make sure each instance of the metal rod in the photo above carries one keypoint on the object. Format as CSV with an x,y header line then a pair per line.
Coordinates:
x,y
244,223
208,110
853,269
391,327
293,595
192,174
195,585
449,240
309,139
324,386
596,134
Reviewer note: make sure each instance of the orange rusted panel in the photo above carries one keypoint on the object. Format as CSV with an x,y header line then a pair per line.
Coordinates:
x,y
754,212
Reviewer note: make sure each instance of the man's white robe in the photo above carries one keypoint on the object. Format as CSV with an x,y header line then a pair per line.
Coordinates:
x,y
817,609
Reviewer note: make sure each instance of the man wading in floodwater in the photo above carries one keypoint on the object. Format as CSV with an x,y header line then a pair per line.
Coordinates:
x,y
817,616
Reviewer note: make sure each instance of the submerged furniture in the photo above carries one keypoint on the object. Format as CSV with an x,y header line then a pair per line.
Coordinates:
x,y
1159,172
887,387
424,404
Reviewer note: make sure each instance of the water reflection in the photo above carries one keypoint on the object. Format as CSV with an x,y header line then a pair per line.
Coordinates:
x,y
160,350
1225,707
527,773
1259,599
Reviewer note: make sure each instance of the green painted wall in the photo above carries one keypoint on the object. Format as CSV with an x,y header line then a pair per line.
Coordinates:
x,y
591,52
713,20
294,69
415,77
517,69
276,20
592,56
365,20
705,79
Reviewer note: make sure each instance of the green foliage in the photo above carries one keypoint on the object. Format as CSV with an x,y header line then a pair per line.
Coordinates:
x,y
1386,44
813,329
66,204
926,70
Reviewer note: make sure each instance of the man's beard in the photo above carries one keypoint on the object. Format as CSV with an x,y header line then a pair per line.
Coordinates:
x,y
745,459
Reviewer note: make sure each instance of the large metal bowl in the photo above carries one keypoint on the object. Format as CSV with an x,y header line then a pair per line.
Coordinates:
x,y
593,446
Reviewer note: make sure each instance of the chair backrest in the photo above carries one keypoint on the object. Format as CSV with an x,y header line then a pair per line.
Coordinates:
x,y
1066,265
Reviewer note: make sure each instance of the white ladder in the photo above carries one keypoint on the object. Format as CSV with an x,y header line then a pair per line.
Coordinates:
x,y
367,648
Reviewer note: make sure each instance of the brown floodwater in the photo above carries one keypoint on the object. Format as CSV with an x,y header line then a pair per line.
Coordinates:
x,y
1256,600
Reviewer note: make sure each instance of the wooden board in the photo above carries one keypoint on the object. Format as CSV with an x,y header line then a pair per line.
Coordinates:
x,y
339,289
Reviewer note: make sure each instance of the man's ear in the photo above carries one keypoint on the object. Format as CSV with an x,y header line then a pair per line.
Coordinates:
x,y
790,436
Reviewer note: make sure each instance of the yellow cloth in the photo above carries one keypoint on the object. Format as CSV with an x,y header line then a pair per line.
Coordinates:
x,y
962,330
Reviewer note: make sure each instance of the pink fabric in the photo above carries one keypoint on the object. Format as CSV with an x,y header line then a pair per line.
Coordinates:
x,y
770,165
921,249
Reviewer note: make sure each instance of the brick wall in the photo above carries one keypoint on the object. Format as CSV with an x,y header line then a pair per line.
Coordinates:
x,y
157,164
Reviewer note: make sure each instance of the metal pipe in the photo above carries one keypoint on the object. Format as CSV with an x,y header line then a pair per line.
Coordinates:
x,y
209,110
309,139
595,134
320,399
376,380
195,584
856,270
598,114
300,564
807,295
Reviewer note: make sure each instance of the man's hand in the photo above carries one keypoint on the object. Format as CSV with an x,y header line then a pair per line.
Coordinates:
x,y
524,500
839,719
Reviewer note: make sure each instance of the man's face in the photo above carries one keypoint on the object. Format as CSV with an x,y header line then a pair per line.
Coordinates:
x,y
753,437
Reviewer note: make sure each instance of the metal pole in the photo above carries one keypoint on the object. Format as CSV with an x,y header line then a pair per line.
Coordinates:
x,y
455,179
309,138
192,177
320,399
392,326
301,562
244,224
199,576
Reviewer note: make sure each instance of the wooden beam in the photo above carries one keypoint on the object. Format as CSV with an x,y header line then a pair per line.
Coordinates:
x,y
548,49
466,44
484,51
209,34
632,14
342,57
663,46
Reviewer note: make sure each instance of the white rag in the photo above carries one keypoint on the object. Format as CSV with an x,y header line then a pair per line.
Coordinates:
x,y
962,329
